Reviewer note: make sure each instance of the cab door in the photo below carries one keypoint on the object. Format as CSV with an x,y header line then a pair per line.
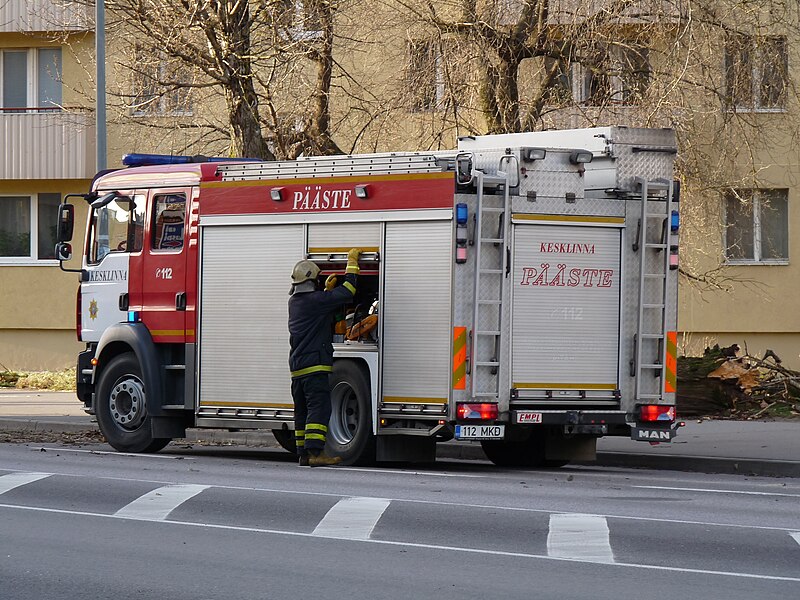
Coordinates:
x,y
164,266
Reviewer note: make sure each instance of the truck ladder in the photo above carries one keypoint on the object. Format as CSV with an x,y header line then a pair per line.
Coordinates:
x,y
653,284
488,301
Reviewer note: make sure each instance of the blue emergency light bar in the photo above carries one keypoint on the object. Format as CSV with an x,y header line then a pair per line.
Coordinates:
x,y
149,160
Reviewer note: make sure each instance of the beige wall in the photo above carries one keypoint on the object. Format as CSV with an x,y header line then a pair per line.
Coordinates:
x,y
38,349
37,299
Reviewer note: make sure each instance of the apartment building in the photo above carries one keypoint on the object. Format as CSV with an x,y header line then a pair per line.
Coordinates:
x,y
48,152
737,134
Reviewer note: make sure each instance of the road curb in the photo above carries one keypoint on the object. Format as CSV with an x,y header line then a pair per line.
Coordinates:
x,y
458,450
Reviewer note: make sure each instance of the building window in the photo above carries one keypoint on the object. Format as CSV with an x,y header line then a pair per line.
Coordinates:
x,y
436,76
161,86
28,228
421,75
559,91
301,19
605,74
756,72
757,226
30,80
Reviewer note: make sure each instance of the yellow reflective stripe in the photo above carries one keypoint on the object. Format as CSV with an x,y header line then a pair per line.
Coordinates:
x,y
299,433
351,269
314,369
315,436
300,443
350,287
316,426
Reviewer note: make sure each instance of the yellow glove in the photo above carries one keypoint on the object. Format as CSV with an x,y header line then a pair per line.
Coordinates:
x,y
352,260
330,283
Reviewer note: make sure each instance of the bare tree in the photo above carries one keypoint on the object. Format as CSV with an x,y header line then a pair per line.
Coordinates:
x,y
716,72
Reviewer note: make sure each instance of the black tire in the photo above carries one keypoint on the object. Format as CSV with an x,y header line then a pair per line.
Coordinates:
x,y
285,437
121,407
524,453
350,428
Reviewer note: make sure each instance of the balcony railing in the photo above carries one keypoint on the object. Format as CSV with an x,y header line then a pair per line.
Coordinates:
x,y
44,15
46,144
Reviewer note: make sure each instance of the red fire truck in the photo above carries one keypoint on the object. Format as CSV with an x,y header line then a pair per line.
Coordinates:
x,y
520,291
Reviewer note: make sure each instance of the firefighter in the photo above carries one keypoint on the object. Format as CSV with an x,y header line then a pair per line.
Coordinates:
x,y
311,313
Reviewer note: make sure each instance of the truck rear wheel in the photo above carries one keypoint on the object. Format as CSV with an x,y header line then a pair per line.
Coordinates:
x,y
350,428
524,453
121,407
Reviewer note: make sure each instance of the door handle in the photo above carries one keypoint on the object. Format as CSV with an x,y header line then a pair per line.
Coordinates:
x,y
180,301
123,301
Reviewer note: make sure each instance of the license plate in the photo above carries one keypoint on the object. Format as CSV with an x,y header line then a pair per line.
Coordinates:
x,y
528,416
480,432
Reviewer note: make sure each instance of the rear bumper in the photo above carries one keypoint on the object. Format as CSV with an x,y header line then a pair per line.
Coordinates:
x,y
596,422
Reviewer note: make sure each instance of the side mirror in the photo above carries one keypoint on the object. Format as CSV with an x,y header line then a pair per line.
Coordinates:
x,y
63,251
66,223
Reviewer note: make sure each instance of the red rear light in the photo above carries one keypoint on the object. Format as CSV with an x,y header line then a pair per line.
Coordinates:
x,y
657,412
79,316
484,411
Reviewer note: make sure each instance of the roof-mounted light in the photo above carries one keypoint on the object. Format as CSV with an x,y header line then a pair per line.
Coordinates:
x,y
580,157
149,160
532,154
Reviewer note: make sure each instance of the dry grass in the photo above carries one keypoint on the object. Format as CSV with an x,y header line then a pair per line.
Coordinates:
x,y
55,381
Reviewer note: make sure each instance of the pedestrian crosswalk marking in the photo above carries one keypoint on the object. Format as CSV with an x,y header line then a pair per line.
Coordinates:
x,y
14,480
580,537
352,518
156,505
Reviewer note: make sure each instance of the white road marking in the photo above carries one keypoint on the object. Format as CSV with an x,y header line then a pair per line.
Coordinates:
x,y
445,503
400,472
736,574
14,480
352,518
711,491
580,537
156,505
114,453
795,536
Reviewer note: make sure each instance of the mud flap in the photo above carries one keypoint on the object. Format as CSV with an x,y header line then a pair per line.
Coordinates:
x,y
405,448
577,448
654,433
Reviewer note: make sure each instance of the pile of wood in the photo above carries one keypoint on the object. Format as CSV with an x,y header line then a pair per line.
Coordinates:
x,y
721,383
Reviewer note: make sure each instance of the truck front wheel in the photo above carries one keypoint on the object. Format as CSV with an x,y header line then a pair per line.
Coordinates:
x,y
121,407
350,428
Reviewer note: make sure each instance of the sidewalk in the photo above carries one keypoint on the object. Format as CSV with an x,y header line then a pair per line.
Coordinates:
x,y
744,447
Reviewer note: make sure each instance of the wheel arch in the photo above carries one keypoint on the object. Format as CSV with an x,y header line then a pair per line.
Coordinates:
x,y
132,337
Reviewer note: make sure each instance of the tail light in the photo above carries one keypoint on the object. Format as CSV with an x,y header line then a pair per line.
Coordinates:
x,y
657,412
79,316
484,411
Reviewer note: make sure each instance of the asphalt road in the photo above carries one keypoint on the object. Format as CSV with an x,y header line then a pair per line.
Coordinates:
x,y
202,523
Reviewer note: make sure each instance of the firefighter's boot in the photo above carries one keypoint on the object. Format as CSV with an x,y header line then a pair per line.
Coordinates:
x,y
303,462
323,460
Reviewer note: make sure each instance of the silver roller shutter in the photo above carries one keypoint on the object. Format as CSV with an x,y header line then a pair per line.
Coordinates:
x,y
416,303
335,237
565,331
244,337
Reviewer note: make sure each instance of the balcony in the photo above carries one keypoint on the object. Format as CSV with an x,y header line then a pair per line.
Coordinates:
x,y
44,15
46,144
